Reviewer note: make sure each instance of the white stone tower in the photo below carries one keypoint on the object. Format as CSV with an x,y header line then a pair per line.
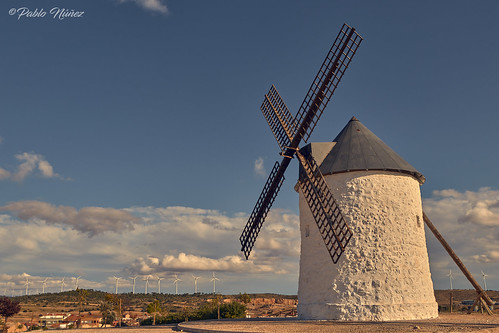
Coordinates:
x,y
384,272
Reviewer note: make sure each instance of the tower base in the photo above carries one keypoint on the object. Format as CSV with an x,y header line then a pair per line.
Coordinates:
x,y
374,312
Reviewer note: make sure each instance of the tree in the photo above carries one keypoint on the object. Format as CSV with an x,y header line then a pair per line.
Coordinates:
x,y
107,313
233,309
154,308
116,302
82,297
8,308
216,303
244,298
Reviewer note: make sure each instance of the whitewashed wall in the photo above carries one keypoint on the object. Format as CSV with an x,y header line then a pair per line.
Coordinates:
x,y
384,273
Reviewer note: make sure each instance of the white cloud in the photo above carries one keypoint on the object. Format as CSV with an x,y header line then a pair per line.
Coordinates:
x,y
152,5
189,262
90,220
4,174
469,222
259,168
162,242
29,164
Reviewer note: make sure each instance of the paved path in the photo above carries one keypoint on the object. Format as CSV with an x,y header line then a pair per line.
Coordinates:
x,y
445,323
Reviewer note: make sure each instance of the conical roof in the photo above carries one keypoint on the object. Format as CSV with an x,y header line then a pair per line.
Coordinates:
x,y
357,148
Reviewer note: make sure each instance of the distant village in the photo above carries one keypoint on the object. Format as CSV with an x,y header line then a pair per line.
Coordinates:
x,y
99,310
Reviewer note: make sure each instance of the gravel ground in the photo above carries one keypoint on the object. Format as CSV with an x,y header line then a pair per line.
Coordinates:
x,y
445,323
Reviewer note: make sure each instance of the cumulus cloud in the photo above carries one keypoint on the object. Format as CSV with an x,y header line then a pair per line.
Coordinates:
x,y
259,168
89,220
468,220
189,262
152,5
213,233
29,164
164,241
488,257
480,208
4,174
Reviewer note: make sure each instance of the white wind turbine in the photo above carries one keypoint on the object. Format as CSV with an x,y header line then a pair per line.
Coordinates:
x,y
451,277
196,278
484,280
175,282
117,282
62,284
27,285
133,287
214,279
147,282
159,283
44,284
76,282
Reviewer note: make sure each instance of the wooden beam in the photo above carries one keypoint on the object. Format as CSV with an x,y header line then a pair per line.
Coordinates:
x,y
481,293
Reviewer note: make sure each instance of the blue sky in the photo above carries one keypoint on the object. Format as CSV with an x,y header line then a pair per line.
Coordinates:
x,y
129,136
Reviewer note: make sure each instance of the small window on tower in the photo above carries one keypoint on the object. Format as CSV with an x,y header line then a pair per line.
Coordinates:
x,y
418,219
307,231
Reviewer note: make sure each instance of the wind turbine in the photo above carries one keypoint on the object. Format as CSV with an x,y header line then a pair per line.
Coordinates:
x,y
214,279
175,282
133,288
44,284
27,285
117,282
196,278
62,284
159,284
484,280
147,282
76,282
451,277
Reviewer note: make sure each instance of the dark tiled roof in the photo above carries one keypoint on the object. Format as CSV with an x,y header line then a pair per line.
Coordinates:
x,y
359,149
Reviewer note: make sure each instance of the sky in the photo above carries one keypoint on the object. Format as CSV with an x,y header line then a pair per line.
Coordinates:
x,y
132,144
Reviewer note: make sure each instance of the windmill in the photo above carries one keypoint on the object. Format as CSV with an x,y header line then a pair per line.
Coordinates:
x,y
77,279
44,284
484,280
27,283
196,278
133,286
349,188
159,284
451,277
116,285
214,279
62,284
147,282
175,282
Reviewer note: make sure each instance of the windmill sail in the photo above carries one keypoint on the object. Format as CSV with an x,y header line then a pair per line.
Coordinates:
x,y
328,78
262,207
332,226
289,131
280,120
